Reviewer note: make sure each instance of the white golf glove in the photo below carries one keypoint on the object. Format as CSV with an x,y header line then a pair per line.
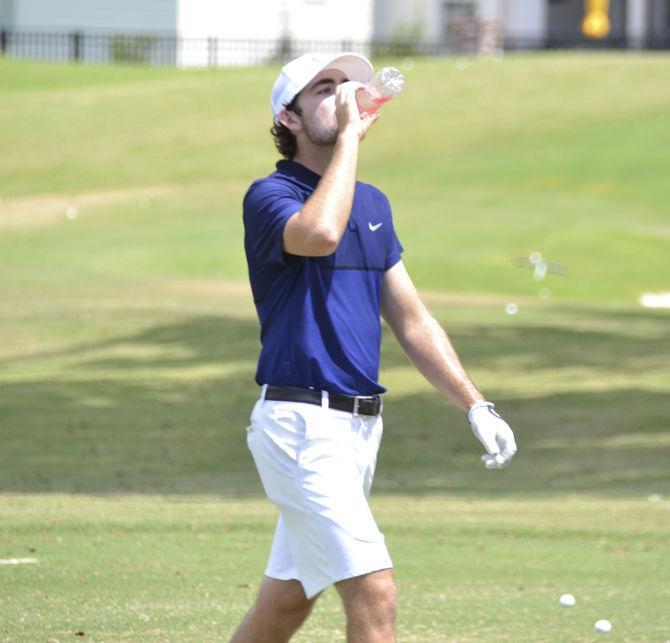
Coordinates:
x,y
494,433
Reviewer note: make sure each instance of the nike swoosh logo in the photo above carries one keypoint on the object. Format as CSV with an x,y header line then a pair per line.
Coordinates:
x,y
375,227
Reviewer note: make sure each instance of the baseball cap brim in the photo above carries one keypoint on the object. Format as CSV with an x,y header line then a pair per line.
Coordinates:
x,y
297,74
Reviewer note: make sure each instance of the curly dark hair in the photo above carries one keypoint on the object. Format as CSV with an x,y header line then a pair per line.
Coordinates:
x,y
285,140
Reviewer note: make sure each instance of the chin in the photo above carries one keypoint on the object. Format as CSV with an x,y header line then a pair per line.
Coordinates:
x,y
323,136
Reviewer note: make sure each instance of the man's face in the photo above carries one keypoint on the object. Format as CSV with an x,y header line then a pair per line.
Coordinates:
x,y
317,102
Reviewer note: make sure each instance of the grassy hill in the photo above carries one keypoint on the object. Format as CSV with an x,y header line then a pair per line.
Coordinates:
x,y
484,164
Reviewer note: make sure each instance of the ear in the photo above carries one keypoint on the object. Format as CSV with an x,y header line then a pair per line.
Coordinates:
x,y
290,120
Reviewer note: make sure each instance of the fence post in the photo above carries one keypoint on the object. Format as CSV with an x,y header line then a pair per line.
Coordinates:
x,y
75,37
211,51
4,37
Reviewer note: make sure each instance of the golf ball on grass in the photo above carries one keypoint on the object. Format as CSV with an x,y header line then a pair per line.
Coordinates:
x,y
567,600
603,626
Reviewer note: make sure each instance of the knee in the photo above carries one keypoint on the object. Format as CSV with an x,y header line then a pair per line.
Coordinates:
x,y
291,609
295,613
374,602
382,598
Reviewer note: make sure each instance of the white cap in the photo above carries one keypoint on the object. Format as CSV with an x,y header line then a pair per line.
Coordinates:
x,y
296,74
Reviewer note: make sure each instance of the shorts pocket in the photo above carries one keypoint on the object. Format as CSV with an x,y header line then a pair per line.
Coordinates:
x,y
322,423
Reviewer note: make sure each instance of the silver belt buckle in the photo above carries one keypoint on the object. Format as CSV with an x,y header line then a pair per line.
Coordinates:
x,y
356,402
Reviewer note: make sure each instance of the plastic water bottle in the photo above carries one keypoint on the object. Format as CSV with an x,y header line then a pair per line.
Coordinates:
x,y
385,84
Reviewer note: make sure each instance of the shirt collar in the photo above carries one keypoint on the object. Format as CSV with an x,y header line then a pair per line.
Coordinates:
x,y
298,171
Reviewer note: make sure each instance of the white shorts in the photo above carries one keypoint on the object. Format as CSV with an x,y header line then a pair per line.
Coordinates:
x,y
317,465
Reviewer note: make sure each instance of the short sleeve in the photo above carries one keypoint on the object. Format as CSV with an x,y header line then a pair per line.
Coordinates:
x,y
394,248
268,205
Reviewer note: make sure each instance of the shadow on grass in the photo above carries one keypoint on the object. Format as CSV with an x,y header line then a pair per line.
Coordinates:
x,y
202,339
150,413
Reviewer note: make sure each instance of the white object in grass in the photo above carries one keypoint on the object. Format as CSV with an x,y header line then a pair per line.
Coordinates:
x,y
655,300
17,561
567,600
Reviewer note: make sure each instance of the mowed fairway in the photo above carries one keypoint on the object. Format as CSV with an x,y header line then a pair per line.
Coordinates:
x,y
129,343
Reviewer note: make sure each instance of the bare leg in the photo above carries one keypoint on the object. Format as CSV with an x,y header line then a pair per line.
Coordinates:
x,y
370,605
280,609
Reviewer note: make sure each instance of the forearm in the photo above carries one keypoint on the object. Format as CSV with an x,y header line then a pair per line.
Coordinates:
x,y
326,213
431,351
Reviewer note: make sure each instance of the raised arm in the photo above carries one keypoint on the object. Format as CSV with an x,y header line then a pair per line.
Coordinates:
x,y
431,351
316,230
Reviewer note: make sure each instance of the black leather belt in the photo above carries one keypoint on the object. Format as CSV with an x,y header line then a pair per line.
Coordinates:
x,y
358,405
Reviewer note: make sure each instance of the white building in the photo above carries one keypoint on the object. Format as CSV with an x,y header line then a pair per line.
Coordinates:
x,y
222,32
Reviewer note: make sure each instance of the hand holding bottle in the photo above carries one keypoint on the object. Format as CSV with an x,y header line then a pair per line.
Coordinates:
x,y
349,117
385,84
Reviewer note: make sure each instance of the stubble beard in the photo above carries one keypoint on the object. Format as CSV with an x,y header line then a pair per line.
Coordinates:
x,y
321,135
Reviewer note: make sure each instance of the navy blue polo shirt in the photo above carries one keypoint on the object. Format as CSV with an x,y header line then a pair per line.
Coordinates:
x,y
320,316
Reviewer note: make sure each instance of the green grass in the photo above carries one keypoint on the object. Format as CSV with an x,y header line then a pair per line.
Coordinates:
x,y
129,347
483,165
157,568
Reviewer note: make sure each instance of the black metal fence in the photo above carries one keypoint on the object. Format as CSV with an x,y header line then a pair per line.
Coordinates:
x,y
170,50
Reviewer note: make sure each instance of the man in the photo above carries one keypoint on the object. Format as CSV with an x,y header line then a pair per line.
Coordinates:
x,y
324,264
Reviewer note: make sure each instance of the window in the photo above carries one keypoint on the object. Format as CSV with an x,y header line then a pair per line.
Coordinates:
x,y
459,26
457,11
